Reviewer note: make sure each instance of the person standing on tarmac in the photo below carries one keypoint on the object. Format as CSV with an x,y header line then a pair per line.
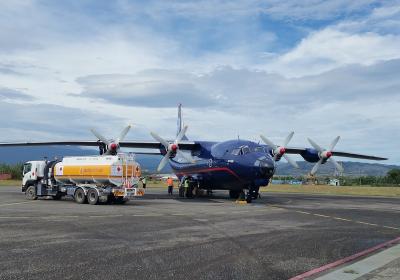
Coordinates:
x,y
170,184
144,182
186,187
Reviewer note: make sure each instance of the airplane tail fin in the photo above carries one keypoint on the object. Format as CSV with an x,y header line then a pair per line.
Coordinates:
x,y
180,122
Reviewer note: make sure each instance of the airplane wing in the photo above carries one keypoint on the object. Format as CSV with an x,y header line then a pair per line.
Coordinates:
x,y
51,143
184,145
303,151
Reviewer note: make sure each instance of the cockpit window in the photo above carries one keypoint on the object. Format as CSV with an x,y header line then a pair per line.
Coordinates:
x,y
245,150
241,151
260,149
236,152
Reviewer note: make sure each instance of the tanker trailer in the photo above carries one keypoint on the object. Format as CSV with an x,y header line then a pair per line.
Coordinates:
x,y
92,179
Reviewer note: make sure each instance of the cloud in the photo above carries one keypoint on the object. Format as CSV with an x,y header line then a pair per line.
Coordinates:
x,y
331,48
151,88
12,94
40,122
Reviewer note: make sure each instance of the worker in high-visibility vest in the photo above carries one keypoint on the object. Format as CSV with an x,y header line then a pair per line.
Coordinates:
x,y
186,186
170,184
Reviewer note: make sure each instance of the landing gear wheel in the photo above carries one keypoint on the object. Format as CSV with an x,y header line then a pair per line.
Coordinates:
x,y
80,196
30,193
234,194
93,197
249,198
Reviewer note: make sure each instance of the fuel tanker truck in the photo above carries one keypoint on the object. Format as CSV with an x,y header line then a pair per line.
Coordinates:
x,y
88,179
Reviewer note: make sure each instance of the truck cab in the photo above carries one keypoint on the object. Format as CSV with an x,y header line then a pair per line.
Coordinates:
x,y
32,173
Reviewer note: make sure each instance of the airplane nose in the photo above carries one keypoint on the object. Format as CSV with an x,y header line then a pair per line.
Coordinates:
x,y
267,168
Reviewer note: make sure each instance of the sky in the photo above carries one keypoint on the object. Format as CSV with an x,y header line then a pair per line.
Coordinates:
x,y
240,68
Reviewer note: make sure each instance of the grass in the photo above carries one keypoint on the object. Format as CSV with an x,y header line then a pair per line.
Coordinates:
x,y
10,183
332,190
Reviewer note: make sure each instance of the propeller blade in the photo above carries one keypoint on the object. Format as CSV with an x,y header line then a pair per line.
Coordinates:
x,y
334,142
315,145
159,139
164,161
337,165
186,157
268,142
316,166
123,133
291,162
288,138
181,134
100,137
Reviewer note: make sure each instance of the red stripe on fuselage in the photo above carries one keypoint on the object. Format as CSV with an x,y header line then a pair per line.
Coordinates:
x,y
210,170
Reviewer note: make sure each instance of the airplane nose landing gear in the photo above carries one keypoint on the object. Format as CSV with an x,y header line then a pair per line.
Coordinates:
x,y
253,193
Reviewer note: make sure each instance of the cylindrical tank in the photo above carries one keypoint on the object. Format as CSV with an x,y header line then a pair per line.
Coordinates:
x,y
100,170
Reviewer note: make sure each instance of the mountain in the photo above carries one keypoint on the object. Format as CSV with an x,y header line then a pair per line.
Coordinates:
x,y
350,168
150,162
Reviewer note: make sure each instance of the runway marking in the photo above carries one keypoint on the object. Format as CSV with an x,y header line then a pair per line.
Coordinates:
x,y
320,215
365,223
334,217
14,203
105,216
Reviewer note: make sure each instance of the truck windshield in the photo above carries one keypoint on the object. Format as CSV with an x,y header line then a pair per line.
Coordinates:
x,y
27,168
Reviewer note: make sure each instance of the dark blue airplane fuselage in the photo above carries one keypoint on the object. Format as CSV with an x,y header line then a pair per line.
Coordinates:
x,y
229,165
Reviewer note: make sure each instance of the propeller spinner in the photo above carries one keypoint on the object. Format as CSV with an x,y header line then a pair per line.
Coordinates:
x,y
110,147
325,155
279,151
171,148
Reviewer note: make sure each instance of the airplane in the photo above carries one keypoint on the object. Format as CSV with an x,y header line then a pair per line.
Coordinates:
x,y
234,165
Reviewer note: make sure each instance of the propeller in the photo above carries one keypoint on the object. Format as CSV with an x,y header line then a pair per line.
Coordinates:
x,y
171,148
279,151
325,155
112,146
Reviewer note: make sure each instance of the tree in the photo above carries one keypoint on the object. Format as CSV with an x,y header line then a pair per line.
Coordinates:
x,y
394,176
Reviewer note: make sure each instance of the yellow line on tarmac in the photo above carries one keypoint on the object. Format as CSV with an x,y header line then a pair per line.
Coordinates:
x,y
14,203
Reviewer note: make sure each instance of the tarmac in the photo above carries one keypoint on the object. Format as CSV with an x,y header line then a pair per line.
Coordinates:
x,y
279,236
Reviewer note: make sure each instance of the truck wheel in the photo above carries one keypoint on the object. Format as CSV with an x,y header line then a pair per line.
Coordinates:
x,y
30,193
80,196
93,197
